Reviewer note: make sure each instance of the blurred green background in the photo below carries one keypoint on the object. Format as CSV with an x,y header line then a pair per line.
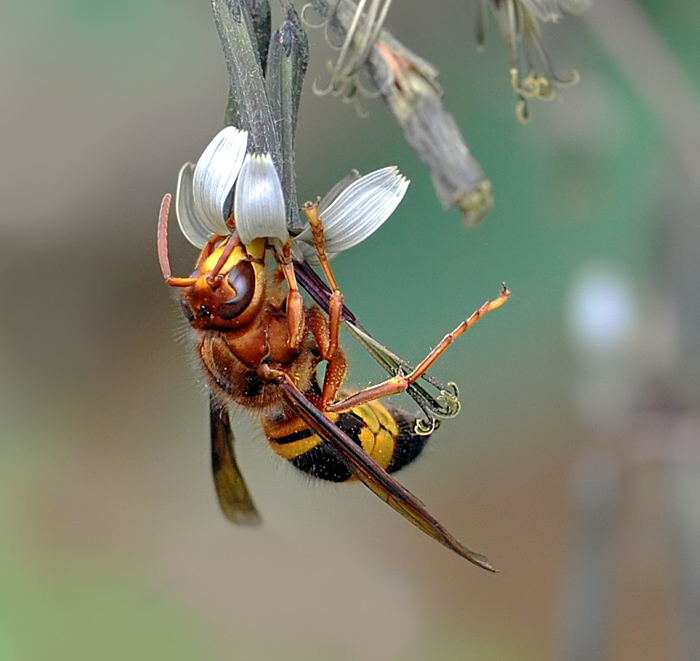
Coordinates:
x,y
572,464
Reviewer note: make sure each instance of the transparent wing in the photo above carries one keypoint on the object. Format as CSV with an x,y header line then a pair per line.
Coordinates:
x,y
444,403
373,476
231,489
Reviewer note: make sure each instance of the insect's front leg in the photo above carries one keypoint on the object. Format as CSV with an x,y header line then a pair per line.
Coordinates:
x,y
400,383
335,307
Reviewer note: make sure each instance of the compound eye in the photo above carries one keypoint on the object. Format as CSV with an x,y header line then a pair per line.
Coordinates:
x,y
187,310
241,279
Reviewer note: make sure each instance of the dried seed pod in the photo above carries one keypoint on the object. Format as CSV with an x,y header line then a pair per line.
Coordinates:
x,y
372,61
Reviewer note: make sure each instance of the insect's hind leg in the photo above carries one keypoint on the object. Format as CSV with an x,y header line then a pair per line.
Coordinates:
x,y
400,383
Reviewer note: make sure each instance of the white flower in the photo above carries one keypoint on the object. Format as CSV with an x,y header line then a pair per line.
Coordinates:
x,y
350,212
202,190
203,199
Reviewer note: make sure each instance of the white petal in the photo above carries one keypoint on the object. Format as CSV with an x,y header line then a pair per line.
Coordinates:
x,y
337,189
259,201
215,175
358,211
195,231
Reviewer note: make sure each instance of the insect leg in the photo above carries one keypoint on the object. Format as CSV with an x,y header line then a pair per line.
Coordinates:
x,y
233,241
336,369
295,303
335,306
444,405
400,382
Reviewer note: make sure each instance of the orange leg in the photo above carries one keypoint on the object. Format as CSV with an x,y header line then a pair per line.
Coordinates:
x,y
335,308
337,367
213,278
295,303
400,382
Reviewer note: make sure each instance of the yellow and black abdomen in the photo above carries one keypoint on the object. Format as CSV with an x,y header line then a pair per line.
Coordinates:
x,y
385,433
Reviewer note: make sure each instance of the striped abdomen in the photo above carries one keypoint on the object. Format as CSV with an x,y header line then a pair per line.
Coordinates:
x,y
385,433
